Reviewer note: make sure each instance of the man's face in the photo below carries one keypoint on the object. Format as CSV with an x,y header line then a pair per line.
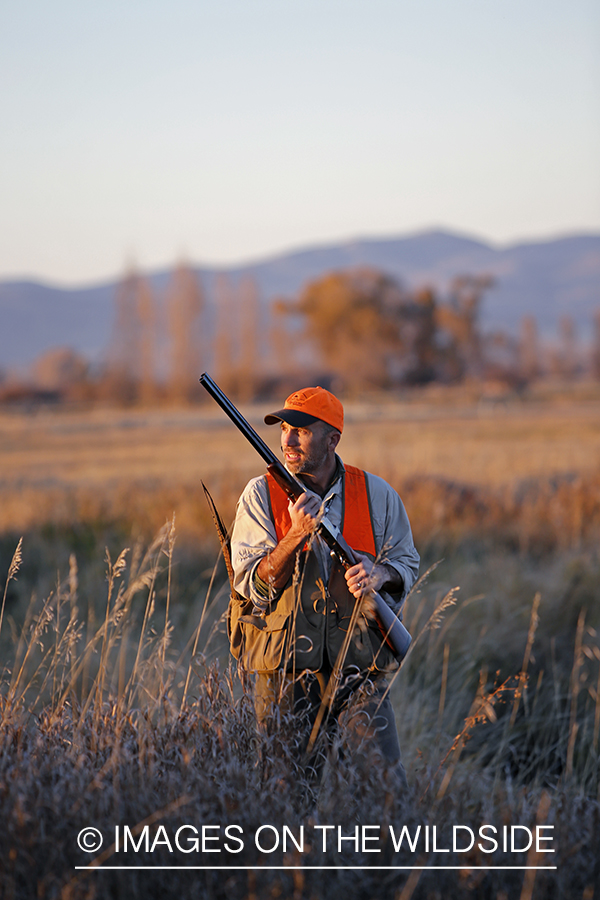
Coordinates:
x,y
306,450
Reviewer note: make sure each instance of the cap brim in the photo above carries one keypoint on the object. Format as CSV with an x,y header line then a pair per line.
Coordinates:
x,y
293,417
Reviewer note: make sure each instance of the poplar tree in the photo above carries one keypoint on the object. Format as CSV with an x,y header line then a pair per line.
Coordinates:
x,y
185,305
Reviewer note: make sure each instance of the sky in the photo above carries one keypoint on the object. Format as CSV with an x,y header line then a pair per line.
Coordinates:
x,y
148,131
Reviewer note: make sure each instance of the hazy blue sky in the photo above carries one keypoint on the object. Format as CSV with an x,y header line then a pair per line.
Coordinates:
x,y
227,130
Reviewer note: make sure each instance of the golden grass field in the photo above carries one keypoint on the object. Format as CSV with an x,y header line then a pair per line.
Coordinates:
x,y
53,462
117,703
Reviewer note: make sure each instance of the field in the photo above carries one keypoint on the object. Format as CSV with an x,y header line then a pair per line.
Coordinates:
x,y
119,707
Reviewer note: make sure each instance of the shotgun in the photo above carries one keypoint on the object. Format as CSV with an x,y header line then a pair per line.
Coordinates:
x,y
394,632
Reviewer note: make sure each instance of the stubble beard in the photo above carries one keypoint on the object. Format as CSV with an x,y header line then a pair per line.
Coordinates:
x,y
311,462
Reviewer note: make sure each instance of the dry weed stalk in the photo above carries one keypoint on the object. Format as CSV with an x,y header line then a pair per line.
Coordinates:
x,y
482,710
534,857
519,690
170,545
594,692
574,692
14,567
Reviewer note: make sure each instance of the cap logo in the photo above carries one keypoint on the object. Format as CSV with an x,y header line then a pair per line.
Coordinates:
x,y
298,399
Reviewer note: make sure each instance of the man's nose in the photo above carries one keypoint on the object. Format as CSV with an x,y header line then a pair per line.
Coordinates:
x,y
289,439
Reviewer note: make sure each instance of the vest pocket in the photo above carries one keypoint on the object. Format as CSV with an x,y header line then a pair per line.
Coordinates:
x,y
263,651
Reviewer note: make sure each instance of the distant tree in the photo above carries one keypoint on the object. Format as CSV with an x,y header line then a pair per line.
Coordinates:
x,y
501,359
248,371
419,336
458,319
185,304
568,348
146,344
239,365
130,359
370,331
226,334
529,349
59,369
281,340
353,318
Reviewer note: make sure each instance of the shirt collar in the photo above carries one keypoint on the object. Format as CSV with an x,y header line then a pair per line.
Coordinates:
x,y
335,485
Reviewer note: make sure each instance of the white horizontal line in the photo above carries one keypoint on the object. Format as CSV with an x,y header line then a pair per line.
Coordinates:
x,y
319,868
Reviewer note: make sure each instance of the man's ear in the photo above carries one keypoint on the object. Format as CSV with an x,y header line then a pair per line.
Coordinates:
x,y
334,439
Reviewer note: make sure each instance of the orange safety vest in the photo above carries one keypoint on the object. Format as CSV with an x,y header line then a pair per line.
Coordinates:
x,y
357,526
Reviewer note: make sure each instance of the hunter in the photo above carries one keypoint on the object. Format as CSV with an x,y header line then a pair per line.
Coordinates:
x,y
284,569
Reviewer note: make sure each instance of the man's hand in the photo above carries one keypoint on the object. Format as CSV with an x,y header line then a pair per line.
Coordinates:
x,y
365,576
304,514
277,566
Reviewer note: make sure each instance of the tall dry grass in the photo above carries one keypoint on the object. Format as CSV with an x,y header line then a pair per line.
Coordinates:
x,y
118,719
119,706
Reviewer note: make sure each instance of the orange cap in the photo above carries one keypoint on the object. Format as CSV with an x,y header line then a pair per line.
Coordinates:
x,y
306,406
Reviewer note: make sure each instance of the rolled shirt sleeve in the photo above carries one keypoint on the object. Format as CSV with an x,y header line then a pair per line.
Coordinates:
x,y
253,536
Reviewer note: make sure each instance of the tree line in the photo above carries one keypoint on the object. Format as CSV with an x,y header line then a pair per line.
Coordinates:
x,y
354,330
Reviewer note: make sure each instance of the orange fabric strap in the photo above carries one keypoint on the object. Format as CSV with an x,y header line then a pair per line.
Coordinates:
x,y
357,526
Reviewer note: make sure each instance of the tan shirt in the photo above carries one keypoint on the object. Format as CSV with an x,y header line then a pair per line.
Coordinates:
x,y
254,534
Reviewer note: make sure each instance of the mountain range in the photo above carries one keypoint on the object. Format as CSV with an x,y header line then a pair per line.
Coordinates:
x,y
546,279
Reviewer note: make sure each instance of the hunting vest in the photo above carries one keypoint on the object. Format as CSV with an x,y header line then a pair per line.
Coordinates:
x,y
308,623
